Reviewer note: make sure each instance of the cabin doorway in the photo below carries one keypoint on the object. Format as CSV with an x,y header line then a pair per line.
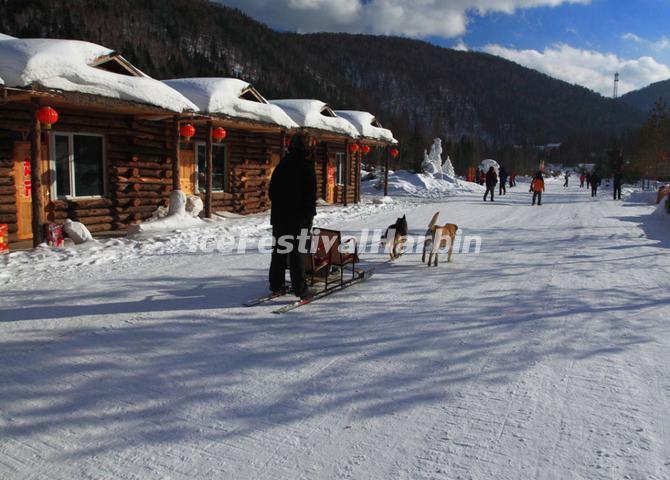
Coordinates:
x,y
23,185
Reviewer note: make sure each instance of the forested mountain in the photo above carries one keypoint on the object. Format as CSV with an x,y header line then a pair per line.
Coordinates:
x,y
645,98
417,89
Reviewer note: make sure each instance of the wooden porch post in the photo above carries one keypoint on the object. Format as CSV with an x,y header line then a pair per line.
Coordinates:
x,y
346,172
36,180
386,171
176,138
325,171
208,172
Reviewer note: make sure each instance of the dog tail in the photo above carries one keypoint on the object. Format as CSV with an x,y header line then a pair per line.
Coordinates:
x,y
433,221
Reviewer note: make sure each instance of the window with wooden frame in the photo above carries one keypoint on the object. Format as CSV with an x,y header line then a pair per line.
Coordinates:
x,y
78,165
341,168
219,168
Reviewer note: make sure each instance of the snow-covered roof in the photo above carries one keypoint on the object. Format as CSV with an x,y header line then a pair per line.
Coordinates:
x,y
75,66
316,114
231,97
6,37
367,125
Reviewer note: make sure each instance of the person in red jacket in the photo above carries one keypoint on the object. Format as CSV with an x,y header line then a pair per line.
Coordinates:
x,y
512,179
537,187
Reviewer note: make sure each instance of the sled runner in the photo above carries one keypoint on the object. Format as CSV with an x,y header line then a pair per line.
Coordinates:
x,y
330,268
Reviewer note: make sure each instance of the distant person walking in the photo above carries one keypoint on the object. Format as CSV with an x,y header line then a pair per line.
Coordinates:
x,y
476,179
293,195
503,181
617,183
512,179
537,187
588,180
567,178
491,181
595,183
582,180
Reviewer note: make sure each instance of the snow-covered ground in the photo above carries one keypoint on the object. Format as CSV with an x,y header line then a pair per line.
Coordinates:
x,y
543,357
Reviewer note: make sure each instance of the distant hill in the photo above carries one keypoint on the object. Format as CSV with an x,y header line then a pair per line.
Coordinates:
x,y
644,98
417,89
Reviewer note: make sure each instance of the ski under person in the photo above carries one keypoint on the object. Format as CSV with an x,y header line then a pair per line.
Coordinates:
x,y
293,196
491,181
503,181
595,182
537,187
617,182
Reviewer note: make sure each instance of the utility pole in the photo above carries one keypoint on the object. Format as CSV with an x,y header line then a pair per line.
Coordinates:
x,y
615,93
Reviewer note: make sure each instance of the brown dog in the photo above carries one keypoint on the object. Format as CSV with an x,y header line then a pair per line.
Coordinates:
x,y
437,238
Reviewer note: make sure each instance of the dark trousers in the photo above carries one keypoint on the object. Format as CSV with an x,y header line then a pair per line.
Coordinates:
x,y
537,196
294,258
594,190
489,189
566,183
503,188
617,192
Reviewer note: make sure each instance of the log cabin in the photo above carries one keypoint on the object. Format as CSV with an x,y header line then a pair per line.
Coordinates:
x,y
375,141
83,135
242,163
337,167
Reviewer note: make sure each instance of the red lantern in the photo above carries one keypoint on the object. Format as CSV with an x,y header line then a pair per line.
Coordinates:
x,y
219,134
365,149
353,148
287,141
314,142
395,152
47,116
187,131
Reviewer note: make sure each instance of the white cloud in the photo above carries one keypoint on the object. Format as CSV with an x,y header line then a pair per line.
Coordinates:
x,y
412,18
591,69
662,43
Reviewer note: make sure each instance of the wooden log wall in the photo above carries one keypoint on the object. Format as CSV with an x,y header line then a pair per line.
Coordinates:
x,y
251,158
7,187
138,167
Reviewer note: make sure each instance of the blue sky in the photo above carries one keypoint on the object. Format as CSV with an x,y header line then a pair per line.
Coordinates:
x,y
580,41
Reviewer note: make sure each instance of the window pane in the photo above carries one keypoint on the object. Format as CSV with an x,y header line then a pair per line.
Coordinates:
x,y
62,160
201,182
88,166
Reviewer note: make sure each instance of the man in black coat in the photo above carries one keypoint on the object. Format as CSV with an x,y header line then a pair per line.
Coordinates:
x,y
595,183
491,181
618,181
293,197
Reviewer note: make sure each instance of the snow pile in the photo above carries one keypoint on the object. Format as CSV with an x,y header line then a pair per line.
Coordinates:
x,y
223,96
177,217
367,125
47,263
421,185
310,114
77,232
67,65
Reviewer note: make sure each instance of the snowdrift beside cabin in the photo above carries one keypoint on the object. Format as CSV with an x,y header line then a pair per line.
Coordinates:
x,y
222,96
309,114
66,65
420,185
364,123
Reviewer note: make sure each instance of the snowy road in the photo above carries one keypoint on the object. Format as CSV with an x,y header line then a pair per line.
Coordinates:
x,y
546,356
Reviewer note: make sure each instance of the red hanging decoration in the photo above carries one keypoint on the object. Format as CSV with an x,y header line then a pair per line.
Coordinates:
x,y
365,149
187,131
219,134
395,152
353,148
47,116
